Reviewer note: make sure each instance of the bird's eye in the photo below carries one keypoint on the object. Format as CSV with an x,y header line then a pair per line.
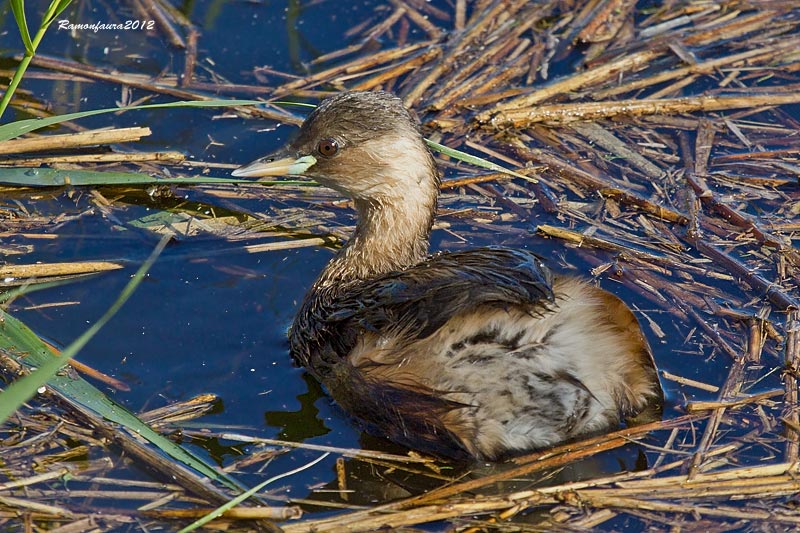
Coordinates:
x,y
327,147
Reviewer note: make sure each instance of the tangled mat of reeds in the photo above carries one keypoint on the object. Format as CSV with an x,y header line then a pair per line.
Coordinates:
x,y
665,152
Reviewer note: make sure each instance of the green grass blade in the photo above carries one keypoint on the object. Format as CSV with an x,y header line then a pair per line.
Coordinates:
x,y
15,129
219,511
51,177
475,160
56,8
18,341
25,388
84,393
32,286
16,338
18,7
295,104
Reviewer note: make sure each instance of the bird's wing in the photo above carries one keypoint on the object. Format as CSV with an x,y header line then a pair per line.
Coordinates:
x,y
421,299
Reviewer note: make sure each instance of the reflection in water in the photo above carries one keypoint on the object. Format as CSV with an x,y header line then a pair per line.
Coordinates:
x,y
220,453
303,424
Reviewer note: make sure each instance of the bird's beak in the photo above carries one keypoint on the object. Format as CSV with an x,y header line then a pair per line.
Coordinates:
x,y
275,165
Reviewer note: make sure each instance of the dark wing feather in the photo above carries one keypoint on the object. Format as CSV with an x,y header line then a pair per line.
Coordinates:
x,y
427,295
418,300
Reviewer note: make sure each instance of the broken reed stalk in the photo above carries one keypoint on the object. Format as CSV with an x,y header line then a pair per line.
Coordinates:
x,y
134,447
689,382
763,54
711,202
291,512
45,270
164,23
729,389
547,459
791,416
73,140
357,66
166,158
741,272
355,453
630,490
599,183
144,83
627,63
445,65
190,61
587,111
694,407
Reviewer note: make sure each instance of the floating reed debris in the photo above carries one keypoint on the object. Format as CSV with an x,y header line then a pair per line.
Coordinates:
x,y
666,151
74,140
586,111
39,271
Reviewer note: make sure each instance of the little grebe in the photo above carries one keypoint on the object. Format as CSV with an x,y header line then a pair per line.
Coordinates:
x,y
478,353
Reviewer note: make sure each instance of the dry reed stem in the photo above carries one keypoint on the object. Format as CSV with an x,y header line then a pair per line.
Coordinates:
x,y
32,480
419,19
741,272
552,458
593,181
585,111
480,22
607,140
190,61
585,240
692,510
355,453
712,202
45,270
237,513
570,84
134,448
461,182
144,83
606,21
179,411
730,388
359,65
28,505
167,158
73,140
411,64
689,382
765,54
791,359
745,483
458,85
694,407
164,23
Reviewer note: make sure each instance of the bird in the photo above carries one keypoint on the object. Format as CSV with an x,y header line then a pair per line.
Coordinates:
x,y
477,354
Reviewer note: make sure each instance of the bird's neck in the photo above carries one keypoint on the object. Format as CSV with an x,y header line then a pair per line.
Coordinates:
x,y
391,235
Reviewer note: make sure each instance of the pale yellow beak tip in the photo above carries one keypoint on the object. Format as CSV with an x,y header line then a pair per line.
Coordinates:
x,y
269,166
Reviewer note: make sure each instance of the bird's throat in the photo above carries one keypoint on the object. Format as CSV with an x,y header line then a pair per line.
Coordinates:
x,y
390,236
